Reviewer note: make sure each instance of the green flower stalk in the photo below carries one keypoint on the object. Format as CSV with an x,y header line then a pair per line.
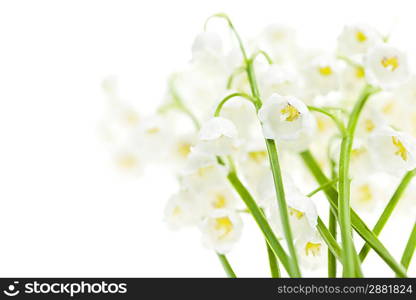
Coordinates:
x,y
348,252
271,149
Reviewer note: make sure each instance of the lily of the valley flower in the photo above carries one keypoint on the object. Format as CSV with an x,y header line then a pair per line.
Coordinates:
x,y
218,136
202,173
206,46
312,250
278,79
322,75
221,230
128,159
182,210
279,41
284,118
302,211
386,67
393,151
357,39
367,194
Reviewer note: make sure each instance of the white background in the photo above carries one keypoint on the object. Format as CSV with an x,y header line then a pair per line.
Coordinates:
x,y
64,210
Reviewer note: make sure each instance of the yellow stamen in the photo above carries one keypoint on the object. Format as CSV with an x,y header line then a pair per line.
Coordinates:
x,y
224,225
153,130
360,72
389,107
127,161
184,149
290,113
355,153
204,170
296,213
400,149
313,248
257,156
176,211
391,63
220,201
369,125
360,36
364,193
325,71
131,118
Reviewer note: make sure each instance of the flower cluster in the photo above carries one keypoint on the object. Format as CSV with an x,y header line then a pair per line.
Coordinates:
x,y
346,112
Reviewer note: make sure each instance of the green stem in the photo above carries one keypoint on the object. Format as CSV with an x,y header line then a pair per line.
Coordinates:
x,y
232,76
388,210
281,200
322,187
223,101
332,263
359,226
265,55
332,224
226,265
274,265
231,25
181,106
261,222
410,249
334,118
294,267
333,246
348,252
271,147
349,61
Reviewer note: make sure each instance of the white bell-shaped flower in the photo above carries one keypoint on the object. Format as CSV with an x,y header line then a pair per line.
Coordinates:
x,y
202,172
393,151
303,215
284,118
182,210
218,136
367,193
312,251
207,46
357,39
221,230
386,67
322,75
278,79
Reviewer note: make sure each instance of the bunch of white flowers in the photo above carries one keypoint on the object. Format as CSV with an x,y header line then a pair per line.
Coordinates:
x,y
269,129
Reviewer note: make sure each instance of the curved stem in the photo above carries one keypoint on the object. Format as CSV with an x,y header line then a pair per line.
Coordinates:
x,y
247,61
223,101
388,210
334,118
226,265
409,249
349,61
231,25
265,55
181,106
274,162
232,76
253,82
348,252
